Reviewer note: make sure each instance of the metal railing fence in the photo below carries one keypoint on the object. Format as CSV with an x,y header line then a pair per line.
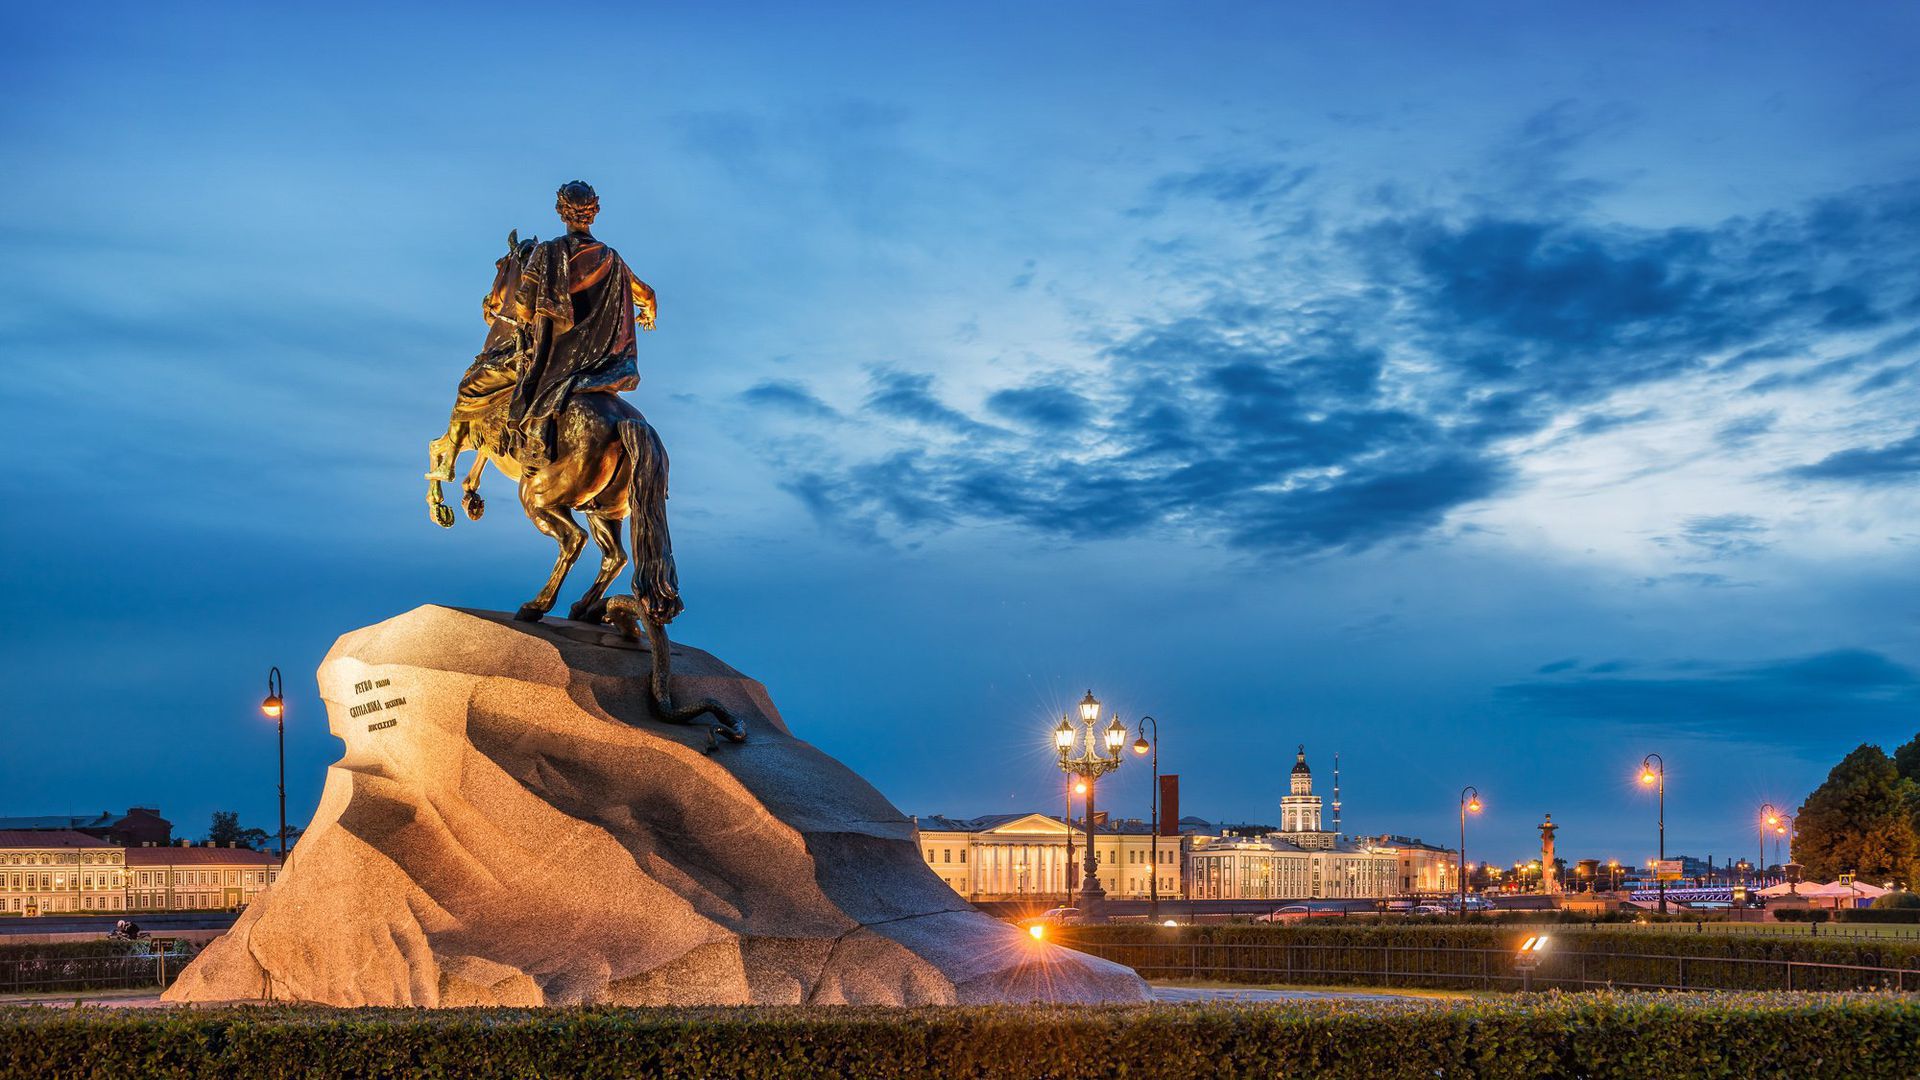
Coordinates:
x,y
65,974
1480,967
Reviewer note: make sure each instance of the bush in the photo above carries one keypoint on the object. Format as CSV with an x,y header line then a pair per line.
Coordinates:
x,y
1806,915
1465,956
1588,1035
1878,915
1897,901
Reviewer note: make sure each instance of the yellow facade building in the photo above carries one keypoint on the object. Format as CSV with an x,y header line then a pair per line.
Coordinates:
x,y
1024,856
197,878
49,871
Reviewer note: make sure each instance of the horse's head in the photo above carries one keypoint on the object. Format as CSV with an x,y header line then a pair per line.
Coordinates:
x,y
506,273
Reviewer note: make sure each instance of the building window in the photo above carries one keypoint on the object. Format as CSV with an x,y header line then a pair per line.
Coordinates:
x,y
946,854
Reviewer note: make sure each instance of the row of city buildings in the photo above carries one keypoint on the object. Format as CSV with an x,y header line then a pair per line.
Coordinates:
x,y
1035,855
121,863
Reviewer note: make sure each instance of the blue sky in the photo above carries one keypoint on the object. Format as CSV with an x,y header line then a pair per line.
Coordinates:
x,y
1489,393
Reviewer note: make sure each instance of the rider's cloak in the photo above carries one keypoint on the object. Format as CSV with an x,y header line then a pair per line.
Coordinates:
x,y
577,341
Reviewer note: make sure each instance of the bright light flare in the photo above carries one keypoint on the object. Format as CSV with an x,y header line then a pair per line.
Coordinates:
x,y
1037,932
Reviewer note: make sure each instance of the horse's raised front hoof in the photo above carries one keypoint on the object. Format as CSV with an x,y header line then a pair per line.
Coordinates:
x,y
530,613
442,515
473,504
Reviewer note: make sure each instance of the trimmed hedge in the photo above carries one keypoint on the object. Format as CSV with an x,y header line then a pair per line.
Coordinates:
x,y
1471,957
1812,915
1879,915
1585,1035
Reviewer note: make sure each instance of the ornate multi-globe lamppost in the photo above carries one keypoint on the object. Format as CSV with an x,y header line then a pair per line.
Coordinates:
x,y
275,708
1098,756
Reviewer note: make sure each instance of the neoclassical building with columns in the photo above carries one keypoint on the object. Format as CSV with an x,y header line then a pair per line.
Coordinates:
x,y
1025,856
1022,856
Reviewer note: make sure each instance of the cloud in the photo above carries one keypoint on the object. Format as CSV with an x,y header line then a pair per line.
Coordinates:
x,y
1780,697
1744,429
1388,379
906,395
788,396
1722,536
1046,406
1251,187
1893,462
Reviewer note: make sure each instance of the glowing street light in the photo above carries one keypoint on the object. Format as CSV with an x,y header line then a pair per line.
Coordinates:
x,y
1098,757
1653,772
275,708
1150,748
1469,802
1769,819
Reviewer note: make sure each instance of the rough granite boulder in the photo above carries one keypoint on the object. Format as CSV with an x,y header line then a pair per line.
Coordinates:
x,y
507,826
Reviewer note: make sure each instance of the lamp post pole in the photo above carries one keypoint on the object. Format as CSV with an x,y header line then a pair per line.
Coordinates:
x,y
1469,800
275,706
1143,745
1067,871
1653,770
1092,763
1769,817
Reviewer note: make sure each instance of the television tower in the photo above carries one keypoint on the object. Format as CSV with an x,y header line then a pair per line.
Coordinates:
x,y
1336,793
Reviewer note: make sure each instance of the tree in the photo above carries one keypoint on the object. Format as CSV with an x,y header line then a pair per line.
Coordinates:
x,y
1860,820
1907,760
227,830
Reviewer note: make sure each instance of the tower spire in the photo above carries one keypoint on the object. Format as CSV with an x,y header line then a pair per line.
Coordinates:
x,y
1336,791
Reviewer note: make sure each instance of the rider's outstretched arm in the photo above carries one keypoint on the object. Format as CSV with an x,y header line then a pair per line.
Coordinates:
x,y
644,305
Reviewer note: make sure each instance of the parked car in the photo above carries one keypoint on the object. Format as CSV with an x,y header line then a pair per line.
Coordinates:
x,y
1291,913
1429,909
1060,916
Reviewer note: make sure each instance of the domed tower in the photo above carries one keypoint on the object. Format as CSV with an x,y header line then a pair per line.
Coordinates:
x,y
1300,808
1302,776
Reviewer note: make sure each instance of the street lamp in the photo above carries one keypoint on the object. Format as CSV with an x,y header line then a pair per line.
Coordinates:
x,y
1613,871
1469,800
1653,770
1097,757
1769,819
1783,831
1144,747
275,707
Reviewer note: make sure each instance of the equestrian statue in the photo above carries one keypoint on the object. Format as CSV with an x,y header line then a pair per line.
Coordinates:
x,y
542,404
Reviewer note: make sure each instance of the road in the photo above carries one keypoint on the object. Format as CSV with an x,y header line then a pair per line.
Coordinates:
x,y
161,924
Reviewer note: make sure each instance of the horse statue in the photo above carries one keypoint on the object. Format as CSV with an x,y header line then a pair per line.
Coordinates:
x,y
607,462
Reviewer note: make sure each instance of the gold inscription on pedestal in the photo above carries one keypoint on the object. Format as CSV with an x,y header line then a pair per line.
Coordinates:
x,y
374,705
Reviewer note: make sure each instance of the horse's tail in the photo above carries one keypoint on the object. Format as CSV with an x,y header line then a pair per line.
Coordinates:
x,y
656,583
